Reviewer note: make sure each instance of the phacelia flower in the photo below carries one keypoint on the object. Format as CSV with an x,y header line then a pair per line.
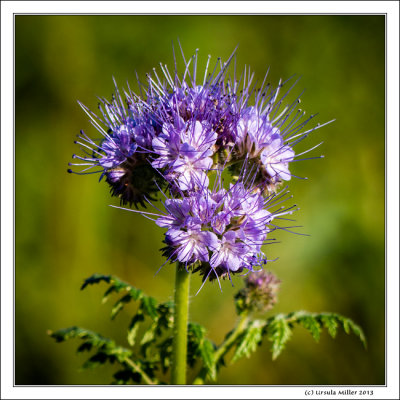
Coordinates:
x,y
258,139
185,151
219,231
120,154
179,138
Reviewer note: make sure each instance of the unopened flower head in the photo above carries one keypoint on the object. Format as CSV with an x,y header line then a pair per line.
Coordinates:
x,y
260,292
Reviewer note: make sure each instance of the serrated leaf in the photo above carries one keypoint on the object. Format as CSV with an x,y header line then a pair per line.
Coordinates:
x,y
122,377
134,326
73,332
329,322
278,332
249,340
149,307
86,346
162,322
165,315
149,335
196,330
207,355
108,350
148,338
165,348
107,293
358,332
194,339
119,286
96,360
119,305
345,323
95,278
311,323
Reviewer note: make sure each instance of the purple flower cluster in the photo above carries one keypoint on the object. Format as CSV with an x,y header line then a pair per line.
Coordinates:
x,y
181,137
223,229
184,149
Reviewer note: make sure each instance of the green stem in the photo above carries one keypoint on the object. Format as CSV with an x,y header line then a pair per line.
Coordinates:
x,y
224,347
179,344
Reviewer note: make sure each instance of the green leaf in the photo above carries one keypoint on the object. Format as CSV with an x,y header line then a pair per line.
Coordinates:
x,y
148,338
134,326
73,332
149,335
345,324
98,359
196,330
311,323
165,315
96,278
107,348
149,307
195,337
165,349
119,305
85,346
161,315
329,321
349,325
207,350
162,323
249,340
278,332
199,346
122,377
116,285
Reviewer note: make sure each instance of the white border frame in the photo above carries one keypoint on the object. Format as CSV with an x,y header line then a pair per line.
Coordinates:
x,y
8,9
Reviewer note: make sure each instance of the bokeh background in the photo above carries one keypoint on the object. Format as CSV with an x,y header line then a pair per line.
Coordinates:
x,y
65,230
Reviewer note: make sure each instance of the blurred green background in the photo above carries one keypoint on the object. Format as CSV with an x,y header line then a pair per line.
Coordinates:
x,y
65,230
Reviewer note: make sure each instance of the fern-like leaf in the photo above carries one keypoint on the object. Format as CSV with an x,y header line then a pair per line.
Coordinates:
x,y
330,322
249,339
350,326
108,351
95,278
199,346
311,324
279,328
278,332
134,327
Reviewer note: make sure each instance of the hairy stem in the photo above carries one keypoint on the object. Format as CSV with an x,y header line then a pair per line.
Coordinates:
x,y
226,345
179,345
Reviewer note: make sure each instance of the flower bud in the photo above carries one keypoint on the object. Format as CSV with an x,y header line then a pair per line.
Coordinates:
x,y
260,292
